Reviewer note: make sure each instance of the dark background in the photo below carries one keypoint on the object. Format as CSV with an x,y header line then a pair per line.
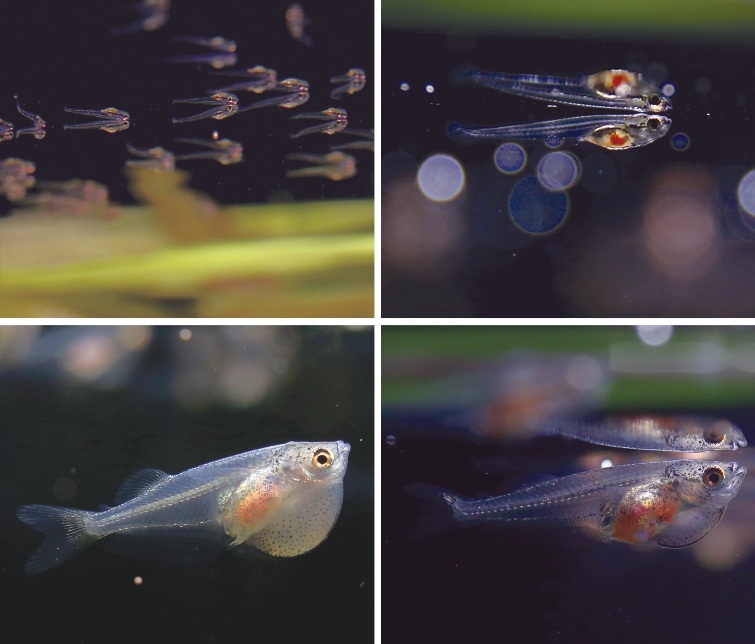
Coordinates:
x,y
110,428
541,583
62,54
497,271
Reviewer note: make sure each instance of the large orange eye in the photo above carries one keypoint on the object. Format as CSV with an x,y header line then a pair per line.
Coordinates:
x,y
713,477
716,433
322,458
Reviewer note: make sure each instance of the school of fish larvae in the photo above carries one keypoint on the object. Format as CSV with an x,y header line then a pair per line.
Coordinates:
x,y
282,500
17,175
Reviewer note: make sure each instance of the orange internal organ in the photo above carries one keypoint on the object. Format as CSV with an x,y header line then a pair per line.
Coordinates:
x,y
643,513
613,82
618,139
256,504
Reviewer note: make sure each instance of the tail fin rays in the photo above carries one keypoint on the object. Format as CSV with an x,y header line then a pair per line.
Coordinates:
x,y
65,534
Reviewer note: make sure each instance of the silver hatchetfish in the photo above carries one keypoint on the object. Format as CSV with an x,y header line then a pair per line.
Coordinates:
x,y
282,500
669,503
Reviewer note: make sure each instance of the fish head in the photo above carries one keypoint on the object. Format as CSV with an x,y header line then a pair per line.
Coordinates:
x,y
713,483
724,435
702,434
316,462
706,488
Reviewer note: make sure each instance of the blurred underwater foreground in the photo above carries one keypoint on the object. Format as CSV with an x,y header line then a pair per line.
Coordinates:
x,y
181,254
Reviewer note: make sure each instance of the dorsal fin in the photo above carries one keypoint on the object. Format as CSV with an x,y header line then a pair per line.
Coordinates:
x,y
138,483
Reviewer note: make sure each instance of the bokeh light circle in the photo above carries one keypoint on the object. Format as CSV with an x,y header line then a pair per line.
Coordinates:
x,y
558,170
441,177
680,141
746,193
510,158
534,209
668,90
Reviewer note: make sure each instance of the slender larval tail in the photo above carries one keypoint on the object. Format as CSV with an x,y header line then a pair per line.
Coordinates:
x,y
65,534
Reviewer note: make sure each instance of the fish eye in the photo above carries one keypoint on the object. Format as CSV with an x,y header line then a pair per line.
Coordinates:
x,y
654,100
713,477
322,458
715,434
653,124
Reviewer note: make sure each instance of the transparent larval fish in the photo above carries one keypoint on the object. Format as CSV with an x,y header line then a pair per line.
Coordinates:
x,y
659,433
282,500
668,503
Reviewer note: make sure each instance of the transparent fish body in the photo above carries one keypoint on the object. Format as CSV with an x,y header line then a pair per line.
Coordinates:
x,y
295,23
224,151
335,166
282,500
223,106
109,119
38,124
216,60
156,158
335,119
218,43
295,92
611,132
153,14
668,503
660,433
6,131
351,82
259,79
367,144
612,89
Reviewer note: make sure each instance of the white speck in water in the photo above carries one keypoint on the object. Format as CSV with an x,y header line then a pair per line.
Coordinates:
x,y
429,88
404,87
390,440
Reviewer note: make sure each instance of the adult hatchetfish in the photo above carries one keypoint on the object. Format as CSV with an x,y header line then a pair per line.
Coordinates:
x,y
669,503
282,500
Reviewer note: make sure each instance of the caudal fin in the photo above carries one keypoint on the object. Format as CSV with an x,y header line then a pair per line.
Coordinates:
x,y
65,534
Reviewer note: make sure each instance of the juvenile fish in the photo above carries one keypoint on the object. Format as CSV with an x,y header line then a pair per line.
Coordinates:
x,y
660,433
669,503
282,500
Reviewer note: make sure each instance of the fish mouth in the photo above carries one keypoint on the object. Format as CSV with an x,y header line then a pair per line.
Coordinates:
x,y
737,475
740,442
343,448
